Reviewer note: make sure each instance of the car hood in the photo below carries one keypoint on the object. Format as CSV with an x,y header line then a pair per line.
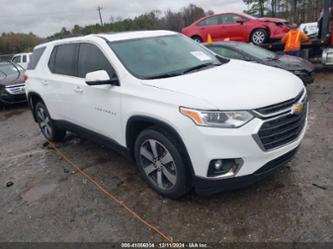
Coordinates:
x,y
11,80
290,63
272,19
236,85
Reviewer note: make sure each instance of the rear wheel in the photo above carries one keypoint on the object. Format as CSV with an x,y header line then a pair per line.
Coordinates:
x,y
259,36
49,130
197,39
161,164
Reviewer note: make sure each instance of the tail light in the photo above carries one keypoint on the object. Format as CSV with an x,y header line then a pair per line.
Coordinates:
x,y
25,77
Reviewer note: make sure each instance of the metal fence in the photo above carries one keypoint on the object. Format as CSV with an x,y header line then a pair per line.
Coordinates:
x,y
6,57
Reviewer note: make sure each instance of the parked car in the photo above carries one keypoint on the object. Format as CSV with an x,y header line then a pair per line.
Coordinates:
x,y
310,29
237,27
22,59
188,117
249,52
11,83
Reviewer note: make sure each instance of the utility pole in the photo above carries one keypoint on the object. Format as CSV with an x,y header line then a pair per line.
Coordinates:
x,y
99,8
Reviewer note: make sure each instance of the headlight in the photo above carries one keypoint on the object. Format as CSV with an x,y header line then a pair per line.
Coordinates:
x,y
223,119
299,72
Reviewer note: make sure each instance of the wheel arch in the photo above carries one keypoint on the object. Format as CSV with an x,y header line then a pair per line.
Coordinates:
x,y
199,36
138,123
33,98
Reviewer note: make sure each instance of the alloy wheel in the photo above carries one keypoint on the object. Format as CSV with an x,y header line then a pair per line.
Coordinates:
x,y
44,122
158,164
259,37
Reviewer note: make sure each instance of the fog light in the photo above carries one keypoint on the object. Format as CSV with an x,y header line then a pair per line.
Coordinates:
x,y
224,167
218,164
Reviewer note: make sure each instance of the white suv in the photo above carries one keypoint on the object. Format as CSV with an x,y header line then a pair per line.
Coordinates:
x,y
189,118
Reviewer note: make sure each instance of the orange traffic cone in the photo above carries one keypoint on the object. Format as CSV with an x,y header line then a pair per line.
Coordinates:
x,y
209,39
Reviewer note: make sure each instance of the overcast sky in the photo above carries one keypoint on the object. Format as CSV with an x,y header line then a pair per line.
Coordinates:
x,y
44,17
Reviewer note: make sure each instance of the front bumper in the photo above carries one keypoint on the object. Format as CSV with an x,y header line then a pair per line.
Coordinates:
x,y
204,186
205,144
13,99
306,77
13,94
263,145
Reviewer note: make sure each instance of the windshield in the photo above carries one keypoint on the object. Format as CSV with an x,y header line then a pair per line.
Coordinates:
x,y
163,56
248,16
256,51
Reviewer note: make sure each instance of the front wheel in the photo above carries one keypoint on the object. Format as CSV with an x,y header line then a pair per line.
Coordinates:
x,y
161,164
259,36
49,130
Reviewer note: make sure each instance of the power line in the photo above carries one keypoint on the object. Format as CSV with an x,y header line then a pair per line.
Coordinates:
x,y
99,8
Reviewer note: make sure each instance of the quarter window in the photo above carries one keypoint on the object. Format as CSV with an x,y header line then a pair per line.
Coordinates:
x,y
92,59
34,58
24,58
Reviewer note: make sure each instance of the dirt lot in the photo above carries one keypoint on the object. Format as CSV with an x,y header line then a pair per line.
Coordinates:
x,y
50,201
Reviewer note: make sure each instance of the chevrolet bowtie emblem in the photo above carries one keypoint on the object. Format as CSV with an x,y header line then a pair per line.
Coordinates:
x,y
297,108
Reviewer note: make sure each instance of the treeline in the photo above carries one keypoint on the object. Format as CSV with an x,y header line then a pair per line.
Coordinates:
x,y
15,42
296,11
156,19
11,43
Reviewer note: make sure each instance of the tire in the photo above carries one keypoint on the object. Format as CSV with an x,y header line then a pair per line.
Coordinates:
x,y
197,39
259,36
47,127
161,164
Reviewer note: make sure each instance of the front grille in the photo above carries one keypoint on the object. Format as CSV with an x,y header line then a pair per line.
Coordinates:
x,y
280,107
282,130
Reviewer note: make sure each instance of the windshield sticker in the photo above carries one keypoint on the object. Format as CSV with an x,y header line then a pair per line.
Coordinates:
x,y
200,56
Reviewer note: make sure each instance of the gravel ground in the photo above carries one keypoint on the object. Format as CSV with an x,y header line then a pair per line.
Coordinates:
x,y
50,201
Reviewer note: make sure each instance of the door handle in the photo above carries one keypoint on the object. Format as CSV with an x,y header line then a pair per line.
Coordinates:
x,y
78,89
45,82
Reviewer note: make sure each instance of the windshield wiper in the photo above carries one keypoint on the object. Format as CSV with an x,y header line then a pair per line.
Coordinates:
x,y
169,75
162,76
200,67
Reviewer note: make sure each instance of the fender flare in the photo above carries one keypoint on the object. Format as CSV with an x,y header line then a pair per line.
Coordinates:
x,y
162,124
30,97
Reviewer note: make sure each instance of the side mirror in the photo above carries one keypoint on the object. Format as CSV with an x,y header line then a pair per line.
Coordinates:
x,y
100,77
240,21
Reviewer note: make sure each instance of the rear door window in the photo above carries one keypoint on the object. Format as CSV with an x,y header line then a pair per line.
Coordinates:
x,y
34,58
214,20
91,59
62,60
24,58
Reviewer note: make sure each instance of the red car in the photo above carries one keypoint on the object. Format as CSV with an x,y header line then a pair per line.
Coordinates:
x,y
237,27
